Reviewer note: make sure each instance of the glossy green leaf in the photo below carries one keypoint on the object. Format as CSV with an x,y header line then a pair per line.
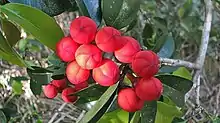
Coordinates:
x,y
51,7
132,25
216,120
5,46
17,87
94,9
178,120
44,28
91,93
147,35
130,116
181,84
160,26
168,48
38,78
54,60
2,117
166,111
117,116
82,8
56,65
9,54
175,87
167,69
185,9
160,23
158,44
101,105
20,78
12,59
22,44
35,87
10,110
91,8
148,112
119,13
183,72
114,105
12,33
177,96
136,117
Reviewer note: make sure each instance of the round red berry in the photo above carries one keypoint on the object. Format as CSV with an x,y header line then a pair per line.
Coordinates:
x,y
107,73
83,30
68,95
66,48
88,56
59,84
109,39
149,89
50,91
128,100
76,74
145,63
126,53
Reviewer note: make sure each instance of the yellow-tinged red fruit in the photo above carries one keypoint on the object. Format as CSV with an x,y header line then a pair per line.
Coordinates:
x,y
126,53
129,101
50,91
59,84
68,95
83,30
66,48
81,86
88,56
107,73
109,39
76,74
149,89
145,63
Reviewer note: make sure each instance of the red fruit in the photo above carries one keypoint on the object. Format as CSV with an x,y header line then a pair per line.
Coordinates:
x,y
109,39
76,74
126,53
68,95
145,63
66,48
88,56
83,30
128,100
50,91
107,73
59,84
81,86
149,89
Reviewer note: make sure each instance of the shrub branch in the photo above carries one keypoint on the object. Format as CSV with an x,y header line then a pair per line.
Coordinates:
x,y
203,47
178,63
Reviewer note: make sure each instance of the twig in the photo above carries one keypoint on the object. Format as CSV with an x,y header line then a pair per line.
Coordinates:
x,y
203,47
81,116
55,115
178,63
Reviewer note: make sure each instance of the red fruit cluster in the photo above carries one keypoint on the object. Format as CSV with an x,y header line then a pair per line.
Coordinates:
x,y
61,86
84,49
